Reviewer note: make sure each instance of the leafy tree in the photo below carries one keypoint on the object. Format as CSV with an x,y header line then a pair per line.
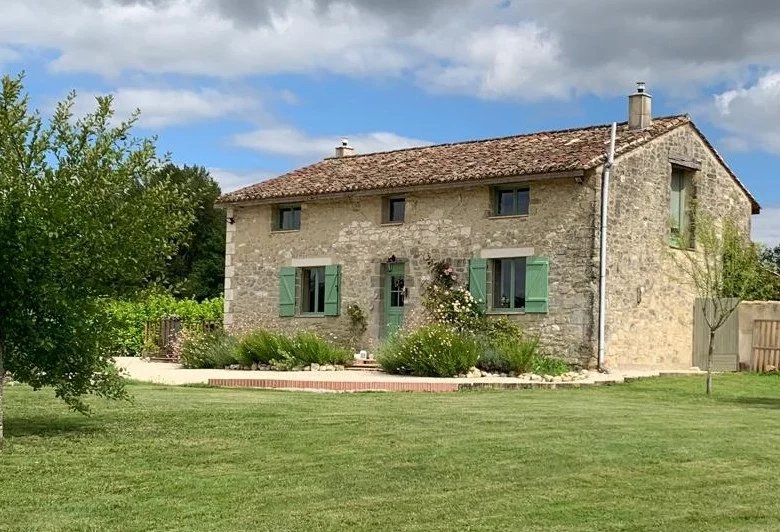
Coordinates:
x,y
197,270
725,269
82,217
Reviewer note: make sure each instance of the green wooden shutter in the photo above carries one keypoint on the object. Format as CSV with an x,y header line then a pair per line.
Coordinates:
x,y
536,273
287,291
332,290
478,281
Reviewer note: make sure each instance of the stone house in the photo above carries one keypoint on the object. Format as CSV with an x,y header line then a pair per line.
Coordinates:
x,y
518,217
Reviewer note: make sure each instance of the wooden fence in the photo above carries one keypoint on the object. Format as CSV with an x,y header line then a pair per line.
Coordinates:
x,y
766,345
160,335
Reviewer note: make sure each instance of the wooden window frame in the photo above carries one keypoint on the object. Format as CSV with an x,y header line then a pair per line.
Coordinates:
x,y
515,190
319,295
278,217
684,216
494,265
387,210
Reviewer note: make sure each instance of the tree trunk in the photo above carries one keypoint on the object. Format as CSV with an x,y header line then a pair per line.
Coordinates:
x,y
710,352
2,383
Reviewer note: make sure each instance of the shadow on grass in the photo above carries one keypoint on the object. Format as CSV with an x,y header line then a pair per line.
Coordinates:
x,y
759,402
47,427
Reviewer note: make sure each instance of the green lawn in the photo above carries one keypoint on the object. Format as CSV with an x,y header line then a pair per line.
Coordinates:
x,y
649,455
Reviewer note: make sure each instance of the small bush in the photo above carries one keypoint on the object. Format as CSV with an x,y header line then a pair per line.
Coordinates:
x,y
202,350
308,348
259,346
550,365
286,352
510,354
431,351
498,329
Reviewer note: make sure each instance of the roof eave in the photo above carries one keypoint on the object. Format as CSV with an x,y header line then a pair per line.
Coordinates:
x,y
576,174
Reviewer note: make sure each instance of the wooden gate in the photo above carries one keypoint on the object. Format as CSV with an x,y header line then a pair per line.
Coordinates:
x,y
766,345
725,355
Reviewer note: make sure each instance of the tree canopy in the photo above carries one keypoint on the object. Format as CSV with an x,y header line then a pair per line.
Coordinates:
x,y
196,270
84,215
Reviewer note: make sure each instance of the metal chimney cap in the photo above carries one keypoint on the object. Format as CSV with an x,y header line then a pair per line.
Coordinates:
x,y
641,86
345,142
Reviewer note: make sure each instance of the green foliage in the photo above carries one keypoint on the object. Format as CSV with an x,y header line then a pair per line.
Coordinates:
x,y
259,346
549,365
506,349
499,328
358,322
432,351
82,218
283,351
197,269
128,317
213,349
308,348
510,354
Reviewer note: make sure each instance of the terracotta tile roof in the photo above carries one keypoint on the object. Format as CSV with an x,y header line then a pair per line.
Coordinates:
x,y
536,153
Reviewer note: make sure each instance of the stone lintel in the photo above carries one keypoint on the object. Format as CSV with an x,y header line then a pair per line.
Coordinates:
x,y
506,253
311,262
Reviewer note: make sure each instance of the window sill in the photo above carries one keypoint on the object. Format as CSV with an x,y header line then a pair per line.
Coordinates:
x,y
310,315
391,223
680,247
505,216
500,312
282,231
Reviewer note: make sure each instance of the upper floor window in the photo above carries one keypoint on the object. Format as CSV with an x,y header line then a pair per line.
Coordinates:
x,y
393,210
681,208
511,201
287,218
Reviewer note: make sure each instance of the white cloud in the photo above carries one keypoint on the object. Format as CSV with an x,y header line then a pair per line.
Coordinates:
x,y
766,226
751,114
167,107
524,49
292,142
190,37
230,180
8,55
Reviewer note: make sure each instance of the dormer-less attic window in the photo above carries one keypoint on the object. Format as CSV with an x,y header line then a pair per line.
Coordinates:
x,y
287,218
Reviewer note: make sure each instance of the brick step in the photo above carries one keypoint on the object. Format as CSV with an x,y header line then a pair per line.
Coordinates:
x,y
364,365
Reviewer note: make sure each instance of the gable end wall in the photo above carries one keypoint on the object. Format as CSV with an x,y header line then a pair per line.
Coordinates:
x,y
650,304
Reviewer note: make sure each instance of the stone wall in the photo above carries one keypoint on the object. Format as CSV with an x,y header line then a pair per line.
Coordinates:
x,y
451,224
649,302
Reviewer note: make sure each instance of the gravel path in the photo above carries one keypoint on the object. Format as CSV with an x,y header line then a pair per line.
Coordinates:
x,y
166,373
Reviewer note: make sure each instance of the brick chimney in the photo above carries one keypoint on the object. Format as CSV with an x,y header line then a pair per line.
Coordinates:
x,y
640,108
345,150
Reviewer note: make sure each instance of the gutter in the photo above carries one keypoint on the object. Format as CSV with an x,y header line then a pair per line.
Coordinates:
x,y
603,249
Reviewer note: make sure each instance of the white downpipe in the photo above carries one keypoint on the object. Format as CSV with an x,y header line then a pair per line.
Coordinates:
x,y
603,248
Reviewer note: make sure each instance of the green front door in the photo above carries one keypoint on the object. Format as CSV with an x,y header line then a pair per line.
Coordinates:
x,y
393,297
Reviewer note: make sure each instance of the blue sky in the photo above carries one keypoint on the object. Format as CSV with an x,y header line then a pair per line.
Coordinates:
x,y
250,89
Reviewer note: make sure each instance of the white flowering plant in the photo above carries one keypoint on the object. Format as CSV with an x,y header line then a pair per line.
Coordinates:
x,y
448,301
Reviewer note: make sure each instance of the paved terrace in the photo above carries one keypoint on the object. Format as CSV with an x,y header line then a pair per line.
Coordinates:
x,y
352,380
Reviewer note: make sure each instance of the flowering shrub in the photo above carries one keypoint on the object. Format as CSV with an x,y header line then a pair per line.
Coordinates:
x,y
207,349
447,301
432,351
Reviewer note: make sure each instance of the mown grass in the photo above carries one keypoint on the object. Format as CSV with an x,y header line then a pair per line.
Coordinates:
x,y
649,455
